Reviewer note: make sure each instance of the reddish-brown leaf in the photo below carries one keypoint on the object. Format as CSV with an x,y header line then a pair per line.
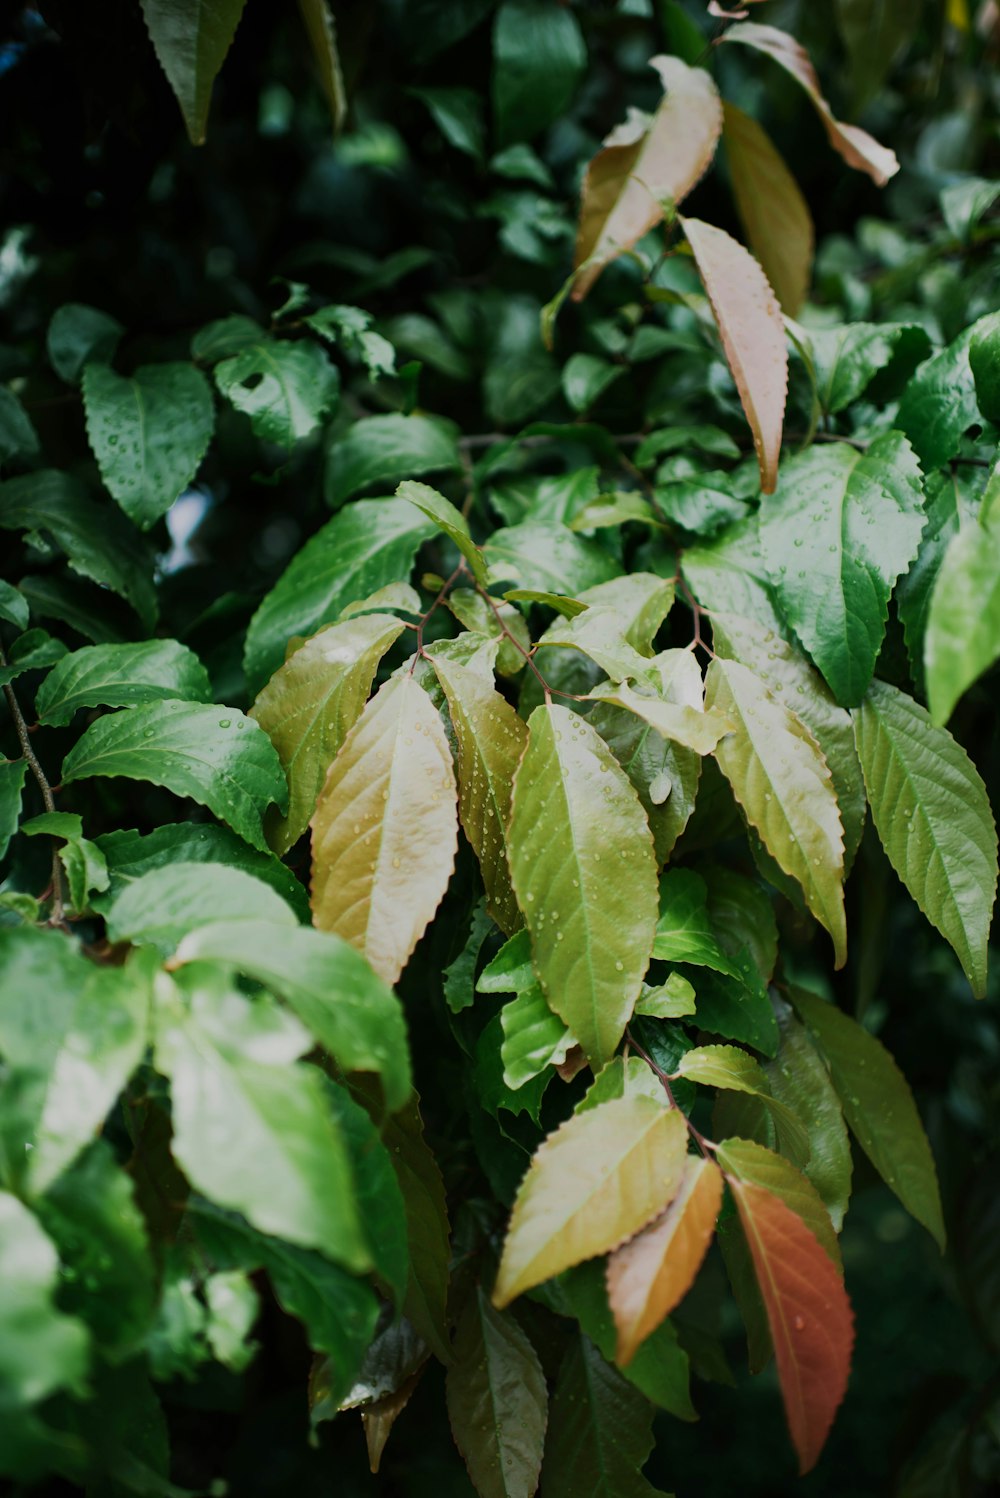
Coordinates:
x,y
812,1325
772,210
645,165
653,1272
753,335
856,146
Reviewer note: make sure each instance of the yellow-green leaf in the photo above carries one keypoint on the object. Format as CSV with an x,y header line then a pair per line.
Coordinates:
x,y
592,1184
773,211
386,828
449,520
309,705
781,779
584,872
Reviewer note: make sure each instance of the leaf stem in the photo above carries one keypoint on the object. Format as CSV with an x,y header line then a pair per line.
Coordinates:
x,y
705,1145
48,800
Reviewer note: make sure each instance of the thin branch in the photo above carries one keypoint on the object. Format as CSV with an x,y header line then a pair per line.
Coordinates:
x,y
705,1145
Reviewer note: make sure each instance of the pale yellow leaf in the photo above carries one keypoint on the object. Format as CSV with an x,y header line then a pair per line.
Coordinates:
x,y
646,167
591,1185
750,325
652,1273
385,829
772,210
856,146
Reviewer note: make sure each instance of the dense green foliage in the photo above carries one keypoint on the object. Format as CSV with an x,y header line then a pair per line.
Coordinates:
x,y
498,746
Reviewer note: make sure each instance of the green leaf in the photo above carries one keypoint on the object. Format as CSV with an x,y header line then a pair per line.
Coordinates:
x,y
539,58
109,1278
367,547
597,1180
445,516
742,916
847,358
702,504
585,378
148,433
34,651
351,327
322,33
984,350
41,1349
380,1199
286,389
657,767
781,780
381,450
729,574
13,606
671,1000
82,606
543,558
533,1038
836,535
458,978
491,739
18,438
161,907
81,1038
939,404
791,679
933,816
253,1130
965,203
309,705
338,1311
79,335
458,114
191,39
224,337
98,541
332,989
878,1106
12,773
130,855
963,617
600,1431
756,1166
218,757
799,1079
729,1068
491,1092
121,676
497,1401
684,932
948,509
585,882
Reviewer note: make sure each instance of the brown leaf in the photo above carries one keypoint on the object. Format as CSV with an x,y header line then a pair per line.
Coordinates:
x,y
856,146
772,210
808,1311
752,332
385,829
653,1272
379,1418
642,167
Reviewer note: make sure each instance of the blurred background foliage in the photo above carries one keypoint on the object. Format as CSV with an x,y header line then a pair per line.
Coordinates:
x,y
448,212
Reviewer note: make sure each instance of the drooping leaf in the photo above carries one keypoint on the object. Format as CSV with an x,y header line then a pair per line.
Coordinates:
x,y
879,1107
656,767
791,679
497,1401
810,1317
334,992
121,676
836,534
370,545
217,756
728,573
386,828
148,433
447,519
163,906
491,740
285,389
600,1431
752,332
12,773
338,1310
381,450
41,1349
730,1069
799,1079
583,870
646,166
252,1129
651,1274
773,211
539,58
309,705
318,20
191,39
855,145
933,816
99,542
80,335
602,1176
782,781
963,618
756,1166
